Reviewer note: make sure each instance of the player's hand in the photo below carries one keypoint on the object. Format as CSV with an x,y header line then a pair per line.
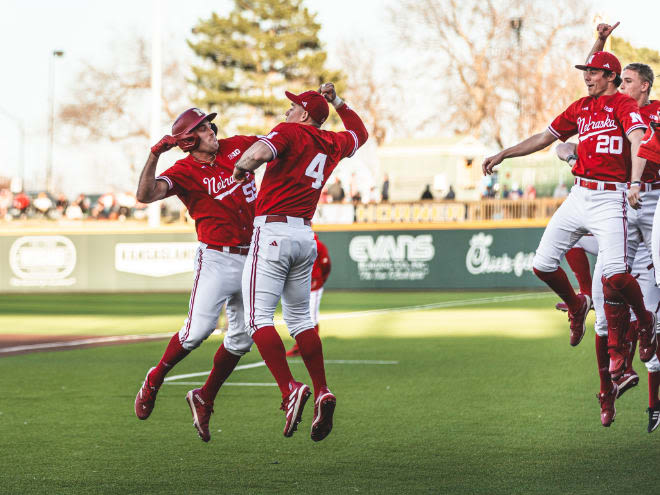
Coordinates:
x,y
167,143
240,175
328,92
604,30
491,162
634,198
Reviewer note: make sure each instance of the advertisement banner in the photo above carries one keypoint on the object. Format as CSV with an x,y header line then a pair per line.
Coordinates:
x,y
368,259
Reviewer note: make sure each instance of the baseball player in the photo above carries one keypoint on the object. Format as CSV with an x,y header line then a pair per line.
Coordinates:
x,y
596,204
320,274
223,211
301,157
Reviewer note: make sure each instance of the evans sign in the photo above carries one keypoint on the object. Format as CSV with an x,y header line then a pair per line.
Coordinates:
x,y
392,257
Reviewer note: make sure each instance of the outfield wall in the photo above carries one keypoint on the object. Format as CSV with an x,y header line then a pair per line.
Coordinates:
x,y
362,258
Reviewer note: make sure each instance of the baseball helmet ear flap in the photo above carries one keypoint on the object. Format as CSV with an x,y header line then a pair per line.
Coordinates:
x,y
188,141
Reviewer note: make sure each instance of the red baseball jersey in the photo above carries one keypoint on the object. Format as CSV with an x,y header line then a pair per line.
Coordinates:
x,y
602,125
650,113
303,159
223,210
322,265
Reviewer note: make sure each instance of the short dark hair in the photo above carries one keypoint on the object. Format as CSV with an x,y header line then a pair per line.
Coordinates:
x,y
617,79
644,71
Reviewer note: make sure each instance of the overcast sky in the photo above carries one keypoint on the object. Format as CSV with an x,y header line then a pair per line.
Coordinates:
x,y
85,29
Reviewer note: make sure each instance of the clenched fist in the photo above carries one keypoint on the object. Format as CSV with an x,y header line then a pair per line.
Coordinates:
x,y
165,144
328,92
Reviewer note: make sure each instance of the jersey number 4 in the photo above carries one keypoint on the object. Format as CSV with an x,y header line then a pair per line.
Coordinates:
x,y
315,170
612,145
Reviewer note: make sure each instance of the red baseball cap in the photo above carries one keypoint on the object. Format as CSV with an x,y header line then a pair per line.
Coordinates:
x,y
314,103
602,60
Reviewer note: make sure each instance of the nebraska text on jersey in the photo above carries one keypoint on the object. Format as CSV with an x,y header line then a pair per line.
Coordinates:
x,y
223,210
602,125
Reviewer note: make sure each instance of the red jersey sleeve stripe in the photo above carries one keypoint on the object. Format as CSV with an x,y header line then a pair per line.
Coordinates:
x,y
637,126
553,132
166,179
270,145
357,144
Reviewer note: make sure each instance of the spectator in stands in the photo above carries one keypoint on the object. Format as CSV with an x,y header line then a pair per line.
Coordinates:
x,y
450,194
561,191
61,205
6,201
21,204
530,192
505,192
385,189
489,193
427,194
373,197
42,203
126,202
337,191
516,192
356,197
82,202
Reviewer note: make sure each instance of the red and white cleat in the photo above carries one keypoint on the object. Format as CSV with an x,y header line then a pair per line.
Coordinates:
x,y
293,405
145,399
607,409
626,382
647,339
577,320
201,412
324,408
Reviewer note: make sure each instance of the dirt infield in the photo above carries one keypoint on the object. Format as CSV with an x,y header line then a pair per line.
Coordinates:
x,y
13,344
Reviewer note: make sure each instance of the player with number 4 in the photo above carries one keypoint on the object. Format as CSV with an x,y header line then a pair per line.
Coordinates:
x,y
300,159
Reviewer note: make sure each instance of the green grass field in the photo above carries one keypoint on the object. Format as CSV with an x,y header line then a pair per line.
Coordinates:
x,y
487,397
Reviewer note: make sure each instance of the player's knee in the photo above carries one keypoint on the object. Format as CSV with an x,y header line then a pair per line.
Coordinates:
x,y
544,264
298,327
238,345
193,339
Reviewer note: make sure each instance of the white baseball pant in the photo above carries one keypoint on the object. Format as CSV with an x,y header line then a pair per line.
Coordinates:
x,y
217,278
315,305
603,213
279,265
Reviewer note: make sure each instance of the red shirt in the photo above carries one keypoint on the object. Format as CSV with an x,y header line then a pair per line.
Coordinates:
x,y
650,112
303,159
602,125
222,209
321,268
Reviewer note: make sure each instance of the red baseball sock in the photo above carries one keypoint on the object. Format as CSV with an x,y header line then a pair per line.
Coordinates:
x,y
311,351
558,281
628,288
273,353
603,360
172,355
654,385
224,363
579,263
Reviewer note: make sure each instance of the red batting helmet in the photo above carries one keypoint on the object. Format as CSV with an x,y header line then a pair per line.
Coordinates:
x,y
184,125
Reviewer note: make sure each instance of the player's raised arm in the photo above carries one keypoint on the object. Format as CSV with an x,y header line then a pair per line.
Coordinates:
x,y
527,147
149,189
255,156
604,30
350,119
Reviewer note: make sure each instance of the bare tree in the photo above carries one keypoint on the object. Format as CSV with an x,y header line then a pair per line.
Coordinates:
x,y
376,96
112,101
505,64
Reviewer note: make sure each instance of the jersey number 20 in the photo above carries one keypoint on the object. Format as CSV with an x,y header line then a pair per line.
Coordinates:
x,y
315,170
609,144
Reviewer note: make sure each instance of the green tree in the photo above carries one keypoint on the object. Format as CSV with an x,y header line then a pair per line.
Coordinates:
x,y
250,57
628,54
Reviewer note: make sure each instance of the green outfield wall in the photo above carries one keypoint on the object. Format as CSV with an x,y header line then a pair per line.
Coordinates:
x,y
361,259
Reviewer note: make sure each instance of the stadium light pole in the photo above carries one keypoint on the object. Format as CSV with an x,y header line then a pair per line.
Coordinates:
x,y
153,209
51,117
21,144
